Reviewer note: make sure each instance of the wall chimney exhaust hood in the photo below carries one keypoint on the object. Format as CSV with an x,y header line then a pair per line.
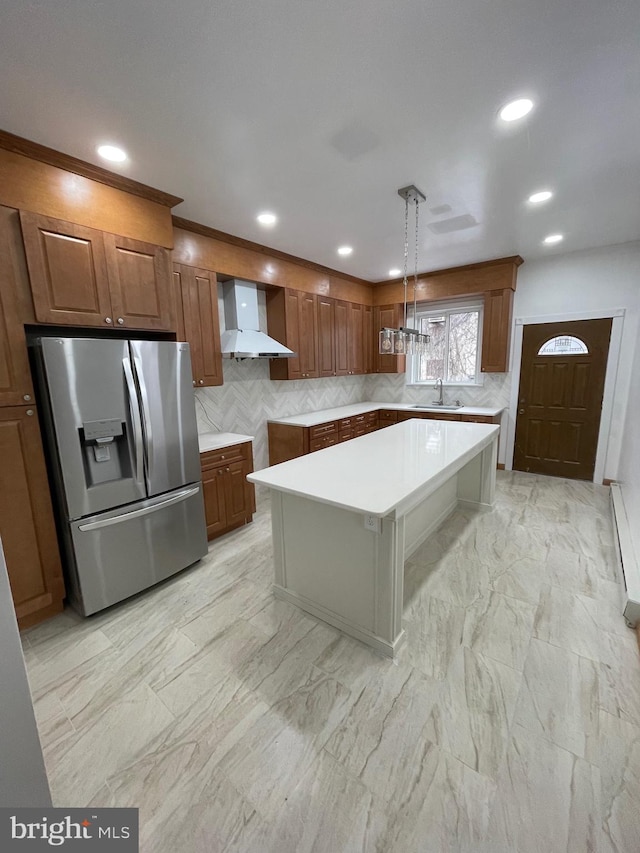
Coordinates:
x,y
243,338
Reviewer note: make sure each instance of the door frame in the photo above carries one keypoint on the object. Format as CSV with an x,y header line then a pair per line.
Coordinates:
x,y
617,320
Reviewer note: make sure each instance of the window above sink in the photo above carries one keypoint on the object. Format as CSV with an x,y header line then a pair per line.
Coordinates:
x,y
455,344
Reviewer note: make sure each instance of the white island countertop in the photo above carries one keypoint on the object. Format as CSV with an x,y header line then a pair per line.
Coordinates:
x,y
310,419
216,440
382,471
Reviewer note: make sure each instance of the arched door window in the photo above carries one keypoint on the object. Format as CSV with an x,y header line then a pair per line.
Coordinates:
x,y
564,345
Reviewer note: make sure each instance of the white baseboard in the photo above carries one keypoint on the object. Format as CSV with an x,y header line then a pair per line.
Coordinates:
x,y
628,566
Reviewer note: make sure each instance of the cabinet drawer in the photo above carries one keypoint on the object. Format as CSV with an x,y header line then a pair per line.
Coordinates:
x,y
345,423
359,419
371,417
478,419
387,416
320,443
321,430
346,434
225,455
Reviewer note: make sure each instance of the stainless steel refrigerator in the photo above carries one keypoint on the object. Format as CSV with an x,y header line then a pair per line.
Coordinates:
x,y
120,426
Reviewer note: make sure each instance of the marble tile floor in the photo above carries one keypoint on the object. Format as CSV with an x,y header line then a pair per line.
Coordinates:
x,y
510,723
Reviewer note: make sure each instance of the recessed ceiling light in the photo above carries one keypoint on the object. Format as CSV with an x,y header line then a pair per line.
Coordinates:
x,y
267,218
112,153
553,238
345,250
393,273
543,195
516,109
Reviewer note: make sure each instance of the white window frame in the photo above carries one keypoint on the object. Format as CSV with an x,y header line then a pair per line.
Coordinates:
x,y
428,309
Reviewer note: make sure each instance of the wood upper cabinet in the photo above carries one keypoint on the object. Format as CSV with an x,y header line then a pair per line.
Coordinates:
x,y
15,378
292,320
68,272
198,322
386,316
496,331
355,338
342,338
326,335
332,337
139,283
84,277
27,528
368,338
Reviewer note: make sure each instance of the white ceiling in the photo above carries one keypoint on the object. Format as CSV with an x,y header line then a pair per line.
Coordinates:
x,y
320,111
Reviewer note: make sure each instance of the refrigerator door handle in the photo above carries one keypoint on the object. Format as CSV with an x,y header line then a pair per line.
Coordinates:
x,y
127,516
135,419
146,415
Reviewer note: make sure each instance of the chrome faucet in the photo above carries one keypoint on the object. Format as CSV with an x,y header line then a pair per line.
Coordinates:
x,y
440,400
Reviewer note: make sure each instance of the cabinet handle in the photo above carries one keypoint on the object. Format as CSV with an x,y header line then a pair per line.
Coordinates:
x,y
222,457
27,398
29,411
120,321
194,382
201,381
108,321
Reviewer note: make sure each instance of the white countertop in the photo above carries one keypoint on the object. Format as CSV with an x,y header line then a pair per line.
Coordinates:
x,y
313,418
215,440
376,473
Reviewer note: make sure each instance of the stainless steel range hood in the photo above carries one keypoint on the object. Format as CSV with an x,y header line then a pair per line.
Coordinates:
x,y
243,338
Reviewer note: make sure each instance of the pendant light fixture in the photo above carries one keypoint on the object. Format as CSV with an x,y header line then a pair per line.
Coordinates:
x,y
405,340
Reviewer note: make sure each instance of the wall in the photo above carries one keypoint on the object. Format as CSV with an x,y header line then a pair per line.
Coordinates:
x,y
594,280
629,470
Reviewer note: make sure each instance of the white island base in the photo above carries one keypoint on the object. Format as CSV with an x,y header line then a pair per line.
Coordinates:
x,y
346,518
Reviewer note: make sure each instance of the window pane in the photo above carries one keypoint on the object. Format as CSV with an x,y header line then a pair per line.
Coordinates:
x,y
431,365
563,345
463,346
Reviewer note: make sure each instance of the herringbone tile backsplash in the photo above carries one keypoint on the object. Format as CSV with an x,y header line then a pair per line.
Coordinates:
x,y
248,398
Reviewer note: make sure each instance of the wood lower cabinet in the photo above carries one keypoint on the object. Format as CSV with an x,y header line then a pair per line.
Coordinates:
x,y
287,441
84,277
229,499
27,527
198,322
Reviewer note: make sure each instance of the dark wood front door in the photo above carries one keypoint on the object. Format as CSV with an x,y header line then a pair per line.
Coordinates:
x,y
560,397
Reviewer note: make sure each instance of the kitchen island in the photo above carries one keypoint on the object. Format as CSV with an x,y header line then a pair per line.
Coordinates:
x,y
346,518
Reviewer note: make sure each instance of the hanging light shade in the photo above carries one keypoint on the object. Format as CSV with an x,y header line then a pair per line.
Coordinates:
x,y
405,340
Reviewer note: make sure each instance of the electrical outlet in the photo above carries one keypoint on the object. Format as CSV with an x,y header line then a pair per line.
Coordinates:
x,y
372,523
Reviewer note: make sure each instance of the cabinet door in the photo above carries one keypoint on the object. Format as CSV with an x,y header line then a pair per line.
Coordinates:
x,y
15,378
355,343
26,518
342,338
68,272
496,329
214,501
199,301
308,335
386,316
236,494
139,283
293,366
326,331
367,338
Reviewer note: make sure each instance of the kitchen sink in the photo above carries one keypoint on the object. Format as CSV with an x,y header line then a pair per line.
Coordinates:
x,y
436,407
